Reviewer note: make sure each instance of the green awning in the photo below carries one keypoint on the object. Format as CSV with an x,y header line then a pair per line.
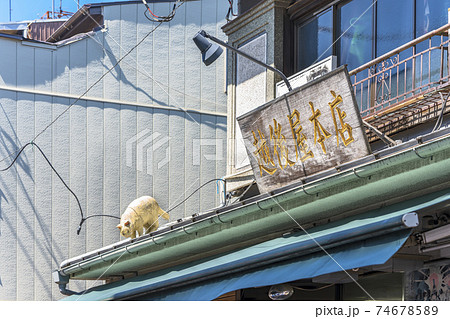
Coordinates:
x,y
367,239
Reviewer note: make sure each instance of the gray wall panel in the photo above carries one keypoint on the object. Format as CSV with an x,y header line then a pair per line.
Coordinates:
x,y
177,58
129,136
26,211
113,145
112,178
61,81
144,167
221,137
95,68
43,202
8,52
60,198
193,57
25,67
221,86
177,171
95,174
8,197
161,58
208,74
144,61
112,45
193,168
43,69
78,61
128,39
207,147
78,182
161,157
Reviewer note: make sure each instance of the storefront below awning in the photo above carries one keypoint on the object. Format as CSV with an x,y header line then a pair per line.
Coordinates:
x,y
368,239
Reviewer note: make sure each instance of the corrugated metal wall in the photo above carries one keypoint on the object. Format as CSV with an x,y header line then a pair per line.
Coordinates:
x,y
125,139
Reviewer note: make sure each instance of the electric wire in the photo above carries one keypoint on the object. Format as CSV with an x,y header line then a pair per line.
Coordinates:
x,y
156,18
83,219
230,11
243,193
51,166
90,88
195,191
440,119
144,72
160,84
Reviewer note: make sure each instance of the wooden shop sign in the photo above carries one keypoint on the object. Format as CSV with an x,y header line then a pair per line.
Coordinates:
x,y
305,131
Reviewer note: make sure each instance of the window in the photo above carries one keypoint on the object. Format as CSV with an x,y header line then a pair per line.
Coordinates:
x,y
358,31
430,14
394,29
355,38
315,39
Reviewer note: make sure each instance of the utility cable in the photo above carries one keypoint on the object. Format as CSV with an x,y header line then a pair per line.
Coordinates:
x,y
51,166
230,11
144,72
160,84
196,190
83,219
90,88
101,78
155,18
440,119
96,82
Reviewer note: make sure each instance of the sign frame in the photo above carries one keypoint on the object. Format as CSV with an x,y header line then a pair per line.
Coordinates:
x,y
310,129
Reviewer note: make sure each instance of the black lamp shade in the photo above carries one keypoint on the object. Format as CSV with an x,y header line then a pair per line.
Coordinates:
x,y
210,51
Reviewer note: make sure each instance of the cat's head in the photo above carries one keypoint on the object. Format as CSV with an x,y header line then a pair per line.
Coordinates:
x,y
125,229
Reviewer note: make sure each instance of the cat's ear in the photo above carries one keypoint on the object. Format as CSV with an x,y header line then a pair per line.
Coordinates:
x,y
119,226
127,223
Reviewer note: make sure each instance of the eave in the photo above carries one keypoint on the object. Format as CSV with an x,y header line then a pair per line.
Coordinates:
x,y
84,20
395,174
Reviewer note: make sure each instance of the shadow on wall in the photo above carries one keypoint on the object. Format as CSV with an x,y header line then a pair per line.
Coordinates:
x,y
24,227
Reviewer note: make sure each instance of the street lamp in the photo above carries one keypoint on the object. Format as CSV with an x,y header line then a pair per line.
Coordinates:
x,y
211,51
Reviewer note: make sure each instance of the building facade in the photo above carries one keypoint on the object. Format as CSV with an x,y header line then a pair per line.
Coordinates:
x,y
154,125
398,67
371,225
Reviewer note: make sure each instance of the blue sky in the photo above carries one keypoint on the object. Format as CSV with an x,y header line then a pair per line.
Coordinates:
x,y
34,9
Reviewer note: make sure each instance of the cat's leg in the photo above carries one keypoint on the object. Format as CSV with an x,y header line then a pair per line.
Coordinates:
x,y
153,227
140,230
150,227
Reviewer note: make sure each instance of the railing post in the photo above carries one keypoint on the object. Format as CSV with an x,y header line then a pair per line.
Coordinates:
x,y
448,51
414,69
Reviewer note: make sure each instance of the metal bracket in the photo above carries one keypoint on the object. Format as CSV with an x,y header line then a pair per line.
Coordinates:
x,y
386,139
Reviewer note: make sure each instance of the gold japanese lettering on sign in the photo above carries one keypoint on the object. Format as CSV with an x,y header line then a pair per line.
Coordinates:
x,y
280,149
263,154
345,127
270,160
319,130
299,137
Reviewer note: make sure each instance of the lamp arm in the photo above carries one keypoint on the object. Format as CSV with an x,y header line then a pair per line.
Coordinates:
x,y
206,35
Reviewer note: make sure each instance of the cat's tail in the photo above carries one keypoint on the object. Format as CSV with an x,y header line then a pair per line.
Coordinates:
x,y
163,214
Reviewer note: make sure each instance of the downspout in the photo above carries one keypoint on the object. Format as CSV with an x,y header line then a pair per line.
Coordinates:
x,y
62,281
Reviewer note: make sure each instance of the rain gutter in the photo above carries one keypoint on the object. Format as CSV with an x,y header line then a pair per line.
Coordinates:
x,y
415,167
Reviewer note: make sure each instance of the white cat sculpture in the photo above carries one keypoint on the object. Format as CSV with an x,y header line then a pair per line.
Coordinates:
x,y
142,213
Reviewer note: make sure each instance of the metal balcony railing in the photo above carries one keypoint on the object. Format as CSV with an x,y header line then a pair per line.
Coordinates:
x,y
407,85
